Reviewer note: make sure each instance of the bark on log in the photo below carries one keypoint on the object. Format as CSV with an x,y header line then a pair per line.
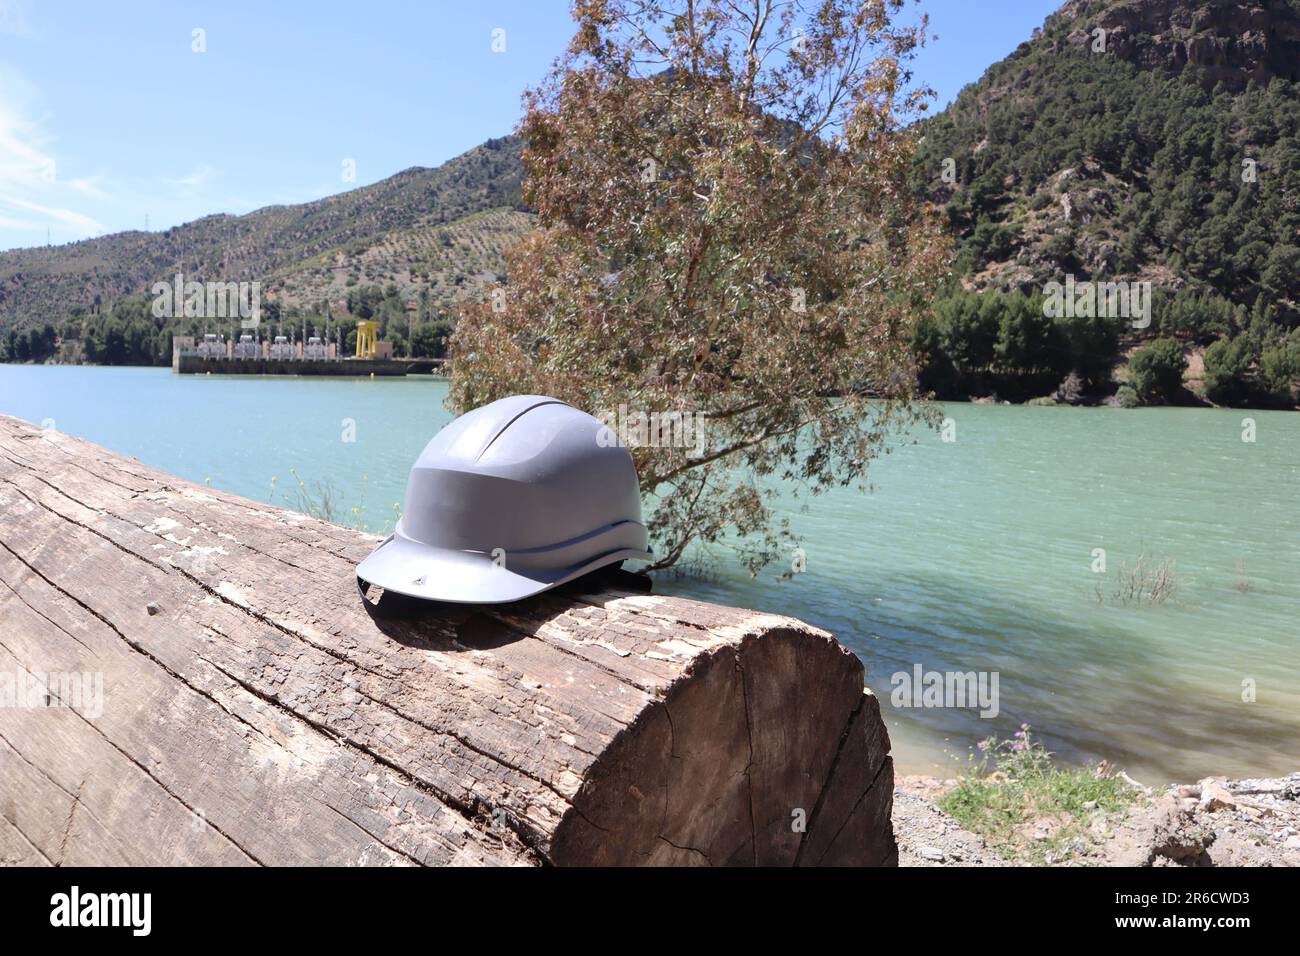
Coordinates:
x,y
253,712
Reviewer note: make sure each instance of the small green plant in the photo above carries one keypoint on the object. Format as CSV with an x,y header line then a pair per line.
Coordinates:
x,y
321,499
317,499
1025,806
1127,397
358,519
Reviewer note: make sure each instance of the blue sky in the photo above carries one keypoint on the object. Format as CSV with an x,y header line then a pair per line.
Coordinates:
x,y
108,115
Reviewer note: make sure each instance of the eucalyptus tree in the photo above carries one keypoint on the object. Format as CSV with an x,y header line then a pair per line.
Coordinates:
x,y
726,235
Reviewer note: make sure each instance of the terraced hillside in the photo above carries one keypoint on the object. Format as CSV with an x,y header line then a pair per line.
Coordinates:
x,y
451,262
50,284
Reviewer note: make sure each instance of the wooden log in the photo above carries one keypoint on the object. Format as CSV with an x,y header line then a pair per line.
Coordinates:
x,y
253,711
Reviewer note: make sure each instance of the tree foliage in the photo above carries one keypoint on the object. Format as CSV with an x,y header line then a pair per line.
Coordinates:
x,y
1164,171
1156,370
974,344
1227,365
1120,165
726,231
33,344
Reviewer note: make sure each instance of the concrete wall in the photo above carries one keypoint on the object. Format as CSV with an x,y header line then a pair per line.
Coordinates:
x,y
193,364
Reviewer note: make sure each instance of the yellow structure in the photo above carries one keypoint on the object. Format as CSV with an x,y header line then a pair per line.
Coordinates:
x,y
367,338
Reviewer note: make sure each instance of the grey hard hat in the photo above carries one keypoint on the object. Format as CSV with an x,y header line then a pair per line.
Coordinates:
x,y
509,500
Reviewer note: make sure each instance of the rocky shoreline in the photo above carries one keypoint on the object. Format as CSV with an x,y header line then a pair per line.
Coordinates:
x,y
1215,822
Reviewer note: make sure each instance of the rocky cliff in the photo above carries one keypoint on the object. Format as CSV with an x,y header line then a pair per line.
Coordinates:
x,y
1232,41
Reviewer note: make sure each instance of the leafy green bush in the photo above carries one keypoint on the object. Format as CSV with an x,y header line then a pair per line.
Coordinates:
x,y
1279,370
1061,249
990,242
1127,397
936,372
1156,370
430,339
1227,371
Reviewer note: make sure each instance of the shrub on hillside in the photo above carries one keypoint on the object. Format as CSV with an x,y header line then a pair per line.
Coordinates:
x,y
1156,370
1279,371
1227,371
990,242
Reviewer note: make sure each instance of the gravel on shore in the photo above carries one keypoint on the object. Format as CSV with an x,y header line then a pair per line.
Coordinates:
x,y
1215,822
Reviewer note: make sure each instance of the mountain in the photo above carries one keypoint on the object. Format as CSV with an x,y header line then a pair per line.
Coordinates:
x,y
1171,153
440,230
1127,141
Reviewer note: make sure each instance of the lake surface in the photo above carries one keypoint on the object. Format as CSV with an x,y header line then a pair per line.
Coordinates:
x,y
971,555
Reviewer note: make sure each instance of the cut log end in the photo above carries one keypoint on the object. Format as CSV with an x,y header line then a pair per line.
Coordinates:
x,y
756,756
253,712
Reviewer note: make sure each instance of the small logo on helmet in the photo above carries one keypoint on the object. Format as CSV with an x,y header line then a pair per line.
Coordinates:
x,y
419,582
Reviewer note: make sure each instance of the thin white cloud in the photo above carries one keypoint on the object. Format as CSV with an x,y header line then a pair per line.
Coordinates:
x,y
23,159
33,197
81,224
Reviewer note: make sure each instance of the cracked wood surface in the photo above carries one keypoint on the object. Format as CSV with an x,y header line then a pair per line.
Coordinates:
x,y
254,713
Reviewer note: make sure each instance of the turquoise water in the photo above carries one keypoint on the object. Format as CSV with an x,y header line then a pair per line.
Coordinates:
x,y
971,555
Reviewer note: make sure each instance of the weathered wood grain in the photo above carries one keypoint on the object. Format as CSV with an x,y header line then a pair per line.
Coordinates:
x,y
253,712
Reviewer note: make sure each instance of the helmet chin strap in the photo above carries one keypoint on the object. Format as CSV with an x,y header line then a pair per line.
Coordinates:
x,y
389,605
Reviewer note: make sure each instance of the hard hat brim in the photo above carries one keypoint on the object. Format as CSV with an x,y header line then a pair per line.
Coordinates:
x,y
468,577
